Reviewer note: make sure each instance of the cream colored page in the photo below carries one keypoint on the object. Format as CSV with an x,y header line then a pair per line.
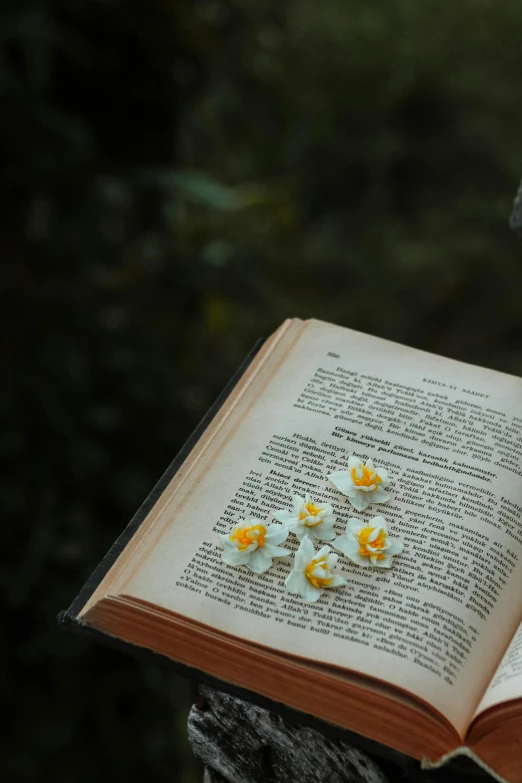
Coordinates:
x,y
439,621
507,682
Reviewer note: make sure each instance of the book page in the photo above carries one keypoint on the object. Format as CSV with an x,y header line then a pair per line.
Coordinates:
x,y
507,682
450,436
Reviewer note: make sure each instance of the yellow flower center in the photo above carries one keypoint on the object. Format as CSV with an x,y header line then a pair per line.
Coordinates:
x,y
368,477
313,572
379,542
244,536
311,511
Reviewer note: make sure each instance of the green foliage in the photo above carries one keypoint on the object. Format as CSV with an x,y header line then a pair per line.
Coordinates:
x,y
178,178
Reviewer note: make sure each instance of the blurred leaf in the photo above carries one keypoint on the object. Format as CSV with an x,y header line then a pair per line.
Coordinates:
x,y
198,188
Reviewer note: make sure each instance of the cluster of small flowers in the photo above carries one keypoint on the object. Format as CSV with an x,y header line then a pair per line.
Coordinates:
x,y
254,543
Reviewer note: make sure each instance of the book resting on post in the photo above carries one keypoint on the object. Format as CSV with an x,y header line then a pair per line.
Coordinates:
x,y
424,657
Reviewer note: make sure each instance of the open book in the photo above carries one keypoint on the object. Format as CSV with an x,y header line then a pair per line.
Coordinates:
x,y
425,657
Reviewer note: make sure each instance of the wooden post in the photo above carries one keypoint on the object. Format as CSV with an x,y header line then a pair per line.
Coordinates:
x,y
241,743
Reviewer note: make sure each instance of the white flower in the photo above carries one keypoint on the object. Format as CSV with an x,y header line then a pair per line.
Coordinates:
x,y
313,571
368,543
363,484
307,518
254,544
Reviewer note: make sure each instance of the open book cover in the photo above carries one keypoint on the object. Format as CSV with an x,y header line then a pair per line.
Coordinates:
x,y
424,658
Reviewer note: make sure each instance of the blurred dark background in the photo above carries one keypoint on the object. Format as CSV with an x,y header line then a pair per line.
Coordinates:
x,y
177,178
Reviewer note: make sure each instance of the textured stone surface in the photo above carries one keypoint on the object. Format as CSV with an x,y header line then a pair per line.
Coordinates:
x,y
242,743
211,776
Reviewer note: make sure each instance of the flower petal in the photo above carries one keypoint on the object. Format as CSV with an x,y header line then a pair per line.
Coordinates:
x,y
304,554
285,517
354,525
259,561
379,496
250,548
234,558
354,462
328,522
359,501
358,559
347,546
337,581
311,593
276,534
384,563
331,560
296,582
324,535
342,480
297,502
225,540
276,551
379,523
383,475
323,552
